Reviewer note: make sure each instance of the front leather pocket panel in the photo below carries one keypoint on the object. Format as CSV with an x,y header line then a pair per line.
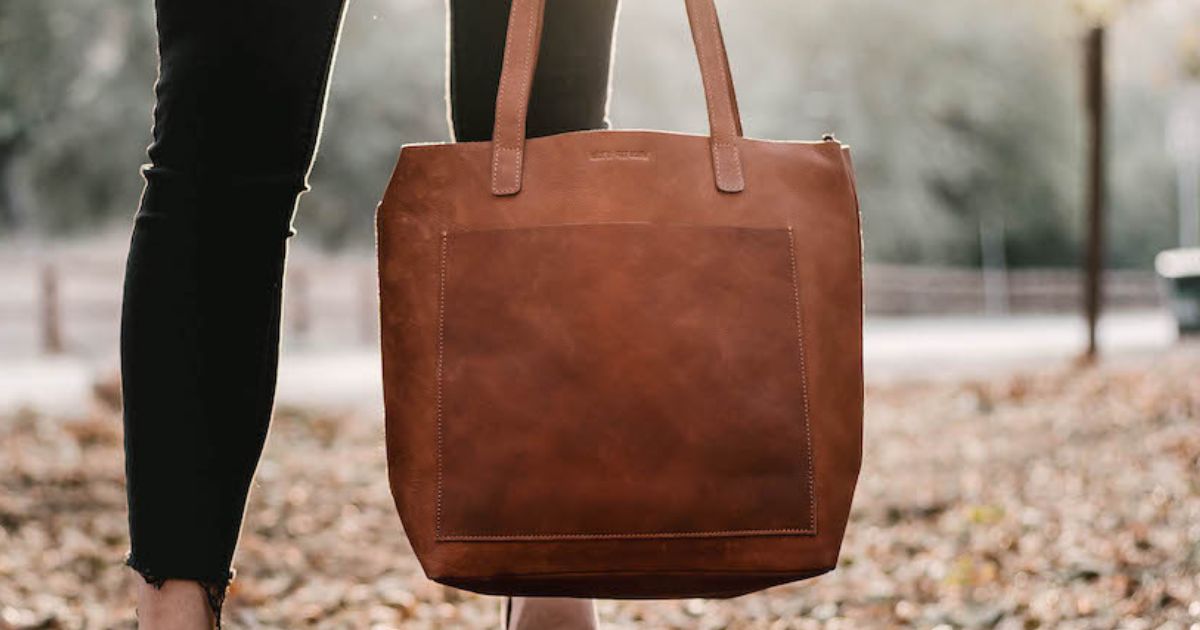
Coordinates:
x,y
621,380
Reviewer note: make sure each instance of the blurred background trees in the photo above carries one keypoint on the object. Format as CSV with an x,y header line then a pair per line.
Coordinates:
x,y
75,103
964,114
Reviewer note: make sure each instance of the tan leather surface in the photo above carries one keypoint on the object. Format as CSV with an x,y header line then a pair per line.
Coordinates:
x,y
652,373
620,380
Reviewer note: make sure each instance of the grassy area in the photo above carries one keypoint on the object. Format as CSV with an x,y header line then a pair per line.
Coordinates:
x,y
1065,499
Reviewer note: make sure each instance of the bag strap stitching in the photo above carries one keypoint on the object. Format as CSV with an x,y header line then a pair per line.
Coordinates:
x,y
526,86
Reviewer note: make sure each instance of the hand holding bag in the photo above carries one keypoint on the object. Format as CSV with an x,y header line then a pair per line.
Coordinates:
x,y
622,363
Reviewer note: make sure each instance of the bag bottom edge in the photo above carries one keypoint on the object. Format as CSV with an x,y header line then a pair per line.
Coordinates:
x,y
629,585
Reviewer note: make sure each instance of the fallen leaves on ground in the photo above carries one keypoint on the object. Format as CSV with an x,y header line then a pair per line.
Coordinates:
x,y
1063,499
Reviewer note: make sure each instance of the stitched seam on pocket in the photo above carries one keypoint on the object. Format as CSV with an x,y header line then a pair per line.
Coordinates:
x,y
606,536
812,490
516,537
441,371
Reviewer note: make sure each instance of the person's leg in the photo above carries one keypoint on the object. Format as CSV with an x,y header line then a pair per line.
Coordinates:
x,y
570,86
549,613
570,93
240,93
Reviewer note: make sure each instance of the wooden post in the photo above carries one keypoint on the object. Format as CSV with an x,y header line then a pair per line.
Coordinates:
x,y
1093,290
368,308
51,311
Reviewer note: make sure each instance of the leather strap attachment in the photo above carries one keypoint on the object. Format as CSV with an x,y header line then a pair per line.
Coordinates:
x,y
724,121
512,100
516,80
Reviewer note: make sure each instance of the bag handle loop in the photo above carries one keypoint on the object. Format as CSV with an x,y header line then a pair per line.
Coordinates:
x,y
516,79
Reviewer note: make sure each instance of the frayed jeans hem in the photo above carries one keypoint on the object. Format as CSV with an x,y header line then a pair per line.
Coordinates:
x,y
214,586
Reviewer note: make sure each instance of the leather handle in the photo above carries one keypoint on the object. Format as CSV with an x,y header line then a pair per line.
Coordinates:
x,y
516,79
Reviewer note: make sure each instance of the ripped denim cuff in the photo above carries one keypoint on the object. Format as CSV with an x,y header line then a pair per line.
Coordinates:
x,y
214,588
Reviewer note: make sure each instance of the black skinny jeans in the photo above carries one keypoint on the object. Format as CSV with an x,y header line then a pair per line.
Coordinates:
x,y
240,95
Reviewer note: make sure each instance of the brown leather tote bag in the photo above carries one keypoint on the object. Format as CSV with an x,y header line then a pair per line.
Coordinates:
x,y
622,364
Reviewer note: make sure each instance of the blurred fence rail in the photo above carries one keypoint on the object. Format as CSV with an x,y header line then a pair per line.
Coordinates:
x,y
903,290
71,303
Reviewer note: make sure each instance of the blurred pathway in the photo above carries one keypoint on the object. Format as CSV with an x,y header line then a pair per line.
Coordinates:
x,y
926,348
896,348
